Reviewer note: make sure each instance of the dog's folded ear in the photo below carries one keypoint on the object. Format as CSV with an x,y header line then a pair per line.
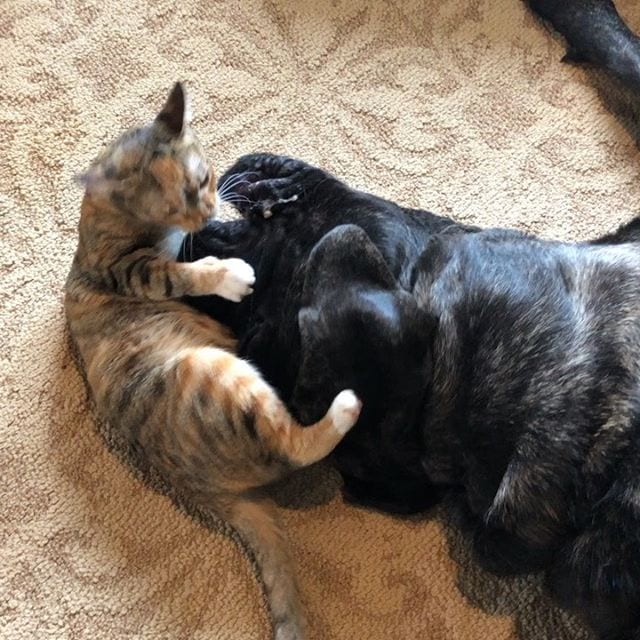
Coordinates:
x,y
358,329
345,256
346,270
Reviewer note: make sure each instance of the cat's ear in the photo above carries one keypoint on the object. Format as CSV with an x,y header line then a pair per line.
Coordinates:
x,y
91,180
175,114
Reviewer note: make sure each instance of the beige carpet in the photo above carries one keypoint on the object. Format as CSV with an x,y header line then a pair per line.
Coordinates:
x,y
458,105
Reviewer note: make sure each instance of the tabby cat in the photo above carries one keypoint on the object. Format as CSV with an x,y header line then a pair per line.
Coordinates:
x,y
166,374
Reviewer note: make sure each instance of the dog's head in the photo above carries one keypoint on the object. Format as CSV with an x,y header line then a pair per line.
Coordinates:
x,y
359,330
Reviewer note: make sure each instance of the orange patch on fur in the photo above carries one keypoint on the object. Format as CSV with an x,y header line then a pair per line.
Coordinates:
x,y
166,171
170,177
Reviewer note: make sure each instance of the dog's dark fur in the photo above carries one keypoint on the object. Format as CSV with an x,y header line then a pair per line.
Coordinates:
x,y
595,34
535,409
490,361
381,460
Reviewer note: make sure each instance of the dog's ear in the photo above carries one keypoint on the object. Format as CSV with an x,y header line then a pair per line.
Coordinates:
x,y
349,290
345,256
436,253
315,385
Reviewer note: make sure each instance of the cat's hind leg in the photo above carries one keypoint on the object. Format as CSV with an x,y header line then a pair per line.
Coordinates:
x,y
224,463
303,446
232,385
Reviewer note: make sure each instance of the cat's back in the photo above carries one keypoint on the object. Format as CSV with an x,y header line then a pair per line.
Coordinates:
x,y
112,331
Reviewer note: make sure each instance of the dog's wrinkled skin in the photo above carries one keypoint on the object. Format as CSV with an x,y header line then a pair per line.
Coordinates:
x,y
489,361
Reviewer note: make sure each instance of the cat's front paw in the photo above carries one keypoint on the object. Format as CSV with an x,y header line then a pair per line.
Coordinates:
x,y
345,410
231,278
237,280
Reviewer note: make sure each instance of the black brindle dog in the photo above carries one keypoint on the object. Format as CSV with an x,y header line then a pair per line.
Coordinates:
x,y
490,361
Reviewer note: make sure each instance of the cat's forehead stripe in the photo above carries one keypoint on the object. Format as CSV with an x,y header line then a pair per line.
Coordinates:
x,y
193,163
187,138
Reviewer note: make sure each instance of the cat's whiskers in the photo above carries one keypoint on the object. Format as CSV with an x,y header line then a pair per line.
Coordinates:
x,y
237,176
236,198
236,179
228,195
223,195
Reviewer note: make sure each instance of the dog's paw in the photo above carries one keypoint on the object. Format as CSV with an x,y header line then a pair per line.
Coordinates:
x,y
263,166
263,184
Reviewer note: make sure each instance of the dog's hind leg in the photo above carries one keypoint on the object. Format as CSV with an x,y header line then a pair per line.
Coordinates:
x,y
595,33
598,572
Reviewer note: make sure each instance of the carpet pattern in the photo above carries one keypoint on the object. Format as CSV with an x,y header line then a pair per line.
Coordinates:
x,y
460,106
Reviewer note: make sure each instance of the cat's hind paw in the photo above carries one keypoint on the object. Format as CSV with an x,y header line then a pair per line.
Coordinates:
x,y
345,411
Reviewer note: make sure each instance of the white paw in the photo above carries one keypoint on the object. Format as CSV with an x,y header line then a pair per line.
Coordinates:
x,y
237,280
345,411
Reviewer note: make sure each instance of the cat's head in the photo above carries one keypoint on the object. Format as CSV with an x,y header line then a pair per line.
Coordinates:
x,y
158,173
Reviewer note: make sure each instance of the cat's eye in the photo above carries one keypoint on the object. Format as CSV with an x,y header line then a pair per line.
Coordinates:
x,y
205,181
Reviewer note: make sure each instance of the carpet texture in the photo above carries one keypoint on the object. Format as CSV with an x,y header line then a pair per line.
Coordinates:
x,y
461,106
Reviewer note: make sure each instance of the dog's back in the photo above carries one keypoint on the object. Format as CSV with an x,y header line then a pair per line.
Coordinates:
x,y
534,405
530,331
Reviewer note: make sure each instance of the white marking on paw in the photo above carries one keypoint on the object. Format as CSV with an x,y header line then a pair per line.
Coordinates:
x,y
237,280
345,411
267,213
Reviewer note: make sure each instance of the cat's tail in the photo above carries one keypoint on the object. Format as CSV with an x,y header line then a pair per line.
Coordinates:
x,y
256,521
255,518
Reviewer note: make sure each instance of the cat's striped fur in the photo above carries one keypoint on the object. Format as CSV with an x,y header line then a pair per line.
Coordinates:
x,y
165,374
